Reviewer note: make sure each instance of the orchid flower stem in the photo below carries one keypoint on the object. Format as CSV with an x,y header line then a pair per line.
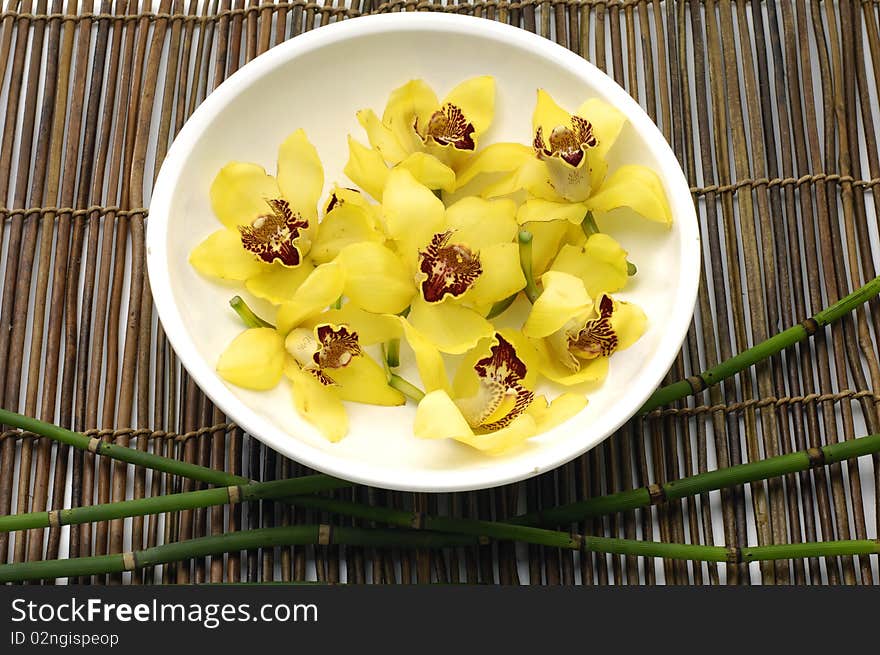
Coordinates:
x,y
406,388
589,228
501,306
392,353
764,350
525,262
247,315
337,304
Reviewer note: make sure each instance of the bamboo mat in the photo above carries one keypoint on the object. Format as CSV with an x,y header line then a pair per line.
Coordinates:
x,y
770,106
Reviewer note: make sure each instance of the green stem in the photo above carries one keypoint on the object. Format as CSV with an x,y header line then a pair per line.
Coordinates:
x,y
337,304
568,541
703,483
525,262
226,543
392,353
124,454
247,315
762,351
229,495
501,306
406,388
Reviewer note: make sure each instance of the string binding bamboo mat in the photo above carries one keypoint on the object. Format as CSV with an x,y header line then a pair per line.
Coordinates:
x,y
770,106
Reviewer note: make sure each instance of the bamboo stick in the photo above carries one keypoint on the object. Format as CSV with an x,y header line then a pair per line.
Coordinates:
x,y
758,353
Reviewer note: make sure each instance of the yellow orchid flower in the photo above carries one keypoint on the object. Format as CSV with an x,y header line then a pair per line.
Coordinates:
x,y
269,222
574,335
448,265
491,405
414,121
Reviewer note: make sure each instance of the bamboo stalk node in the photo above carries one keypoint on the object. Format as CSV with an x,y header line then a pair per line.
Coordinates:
x,y
325,534
816,457
234,492
129,561
657,494
697,383
418,521
94,445
810,325
55,518
734,555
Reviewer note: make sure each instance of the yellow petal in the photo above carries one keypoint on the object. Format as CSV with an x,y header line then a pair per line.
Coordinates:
x,y
375,278
437,417
636,187
502,275
322,287
563,298
279,283
366,168
429,361
600,264
341,195
413,101
222,255
451,328
500,441
429,171
549,415
466,382
364,381
317,404
479,223
607,122
344,225
239,193
381,137
593,370
536,209
254,359
548,115
496,158
300,174
476,99
628,322
531,177
413,214
546,237
371,328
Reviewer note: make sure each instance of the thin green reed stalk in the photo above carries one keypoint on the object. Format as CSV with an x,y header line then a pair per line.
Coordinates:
x,y
697,383
129,455
225,543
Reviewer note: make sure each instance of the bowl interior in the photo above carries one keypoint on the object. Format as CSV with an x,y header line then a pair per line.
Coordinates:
x,y
317,82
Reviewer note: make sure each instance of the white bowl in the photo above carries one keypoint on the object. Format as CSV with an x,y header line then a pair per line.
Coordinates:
x,y
317,81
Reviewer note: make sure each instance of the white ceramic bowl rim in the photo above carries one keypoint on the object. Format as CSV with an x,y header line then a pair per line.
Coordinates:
x,y
502,471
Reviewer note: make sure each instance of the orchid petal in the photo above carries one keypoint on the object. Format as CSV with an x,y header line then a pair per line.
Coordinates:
x,y
254,359
600,264
478,223
438,417
366,168
221,255
451,328
371,328
496,158
364,381
476,99
429,361
546,238
240,191
429,171
322,287
381,137
607,122
593,370
279,283
317,404
413,102
413,214
563,298
495,443
636,187
548,115
375,278
549,415
628,322
536,209
300,175
344,225
502,275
